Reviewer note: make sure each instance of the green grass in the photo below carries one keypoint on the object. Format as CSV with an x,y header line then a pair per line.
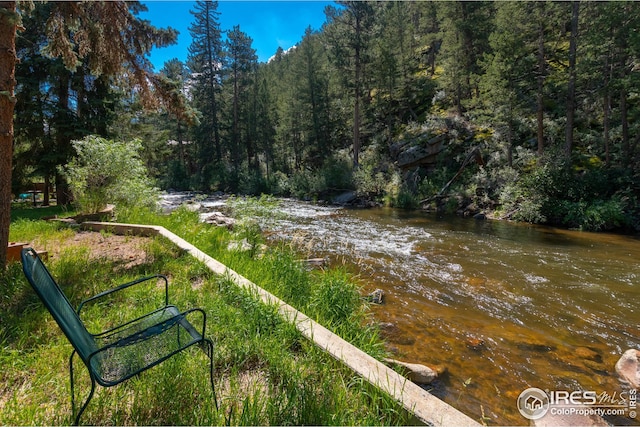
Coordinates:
x,y
26,210
328,296
266,372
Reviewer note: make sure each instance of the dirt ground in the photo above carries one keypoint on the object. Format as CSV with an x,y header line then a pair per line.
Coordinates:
x,y
126,250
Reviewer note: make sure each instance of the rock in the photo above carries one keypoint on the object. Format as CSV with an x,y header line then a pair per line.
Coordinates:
x,y
588,354
417,373
389,328
242,245
345,198
551,419
315,262
219,219
475,343
628,367
480,216
193,206
375,297
419,151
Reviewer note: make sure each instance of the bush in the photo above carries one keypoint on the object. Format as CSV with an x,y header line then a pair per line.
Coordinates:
x,y
599,215
106,171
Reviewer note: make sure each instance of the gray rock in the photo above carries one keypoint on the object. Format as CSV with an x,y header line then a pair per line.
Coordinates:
x,y
557,420
375,297
219,219
628,367
419,374
345,198
239,245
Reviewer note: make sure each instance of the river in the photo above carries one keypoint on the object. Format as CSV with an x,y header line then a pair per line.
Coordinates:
x,y
503,306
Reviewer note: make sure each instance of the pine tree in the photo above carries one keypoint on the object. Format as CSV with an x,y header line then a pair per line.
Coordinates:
x,y
108,35
507,88
466,27
206,61
239,74
349,31
312,87
173,84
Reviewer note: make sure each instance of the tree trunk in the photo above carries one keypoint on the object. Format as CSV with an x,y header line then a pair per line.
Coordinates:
x,y
510,134
212,68
358,95
606,125
45,192
63,124
8,26
571,95
540,90
626,151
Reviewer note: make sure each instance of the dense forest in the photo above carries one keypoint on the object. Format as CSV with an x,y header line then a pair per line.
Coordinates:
x,y
521,110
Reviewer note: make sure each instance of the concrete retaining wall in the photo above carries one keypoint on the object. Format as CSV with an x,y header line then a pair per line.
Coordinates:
x,y
426,407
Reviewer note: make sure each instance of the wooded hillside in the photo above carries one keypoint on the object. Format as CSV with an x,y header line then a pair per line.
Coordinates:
x,y
531,106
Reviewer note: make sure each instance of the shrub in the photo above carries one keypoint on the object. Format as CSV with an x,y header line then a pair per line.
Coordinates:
x,y
106,171
598,215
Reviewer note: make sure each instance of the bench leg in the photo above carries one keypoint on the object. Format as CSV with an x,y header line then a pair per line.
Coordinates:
x,y
86,402
209,351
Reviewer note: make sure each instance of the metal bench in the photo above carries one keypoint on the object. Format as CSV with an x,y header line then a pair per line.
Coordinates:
x,y
119,353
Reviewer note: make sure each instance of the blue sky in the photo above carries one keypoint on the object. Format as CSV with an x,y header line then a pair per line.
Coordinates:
x,y
269,23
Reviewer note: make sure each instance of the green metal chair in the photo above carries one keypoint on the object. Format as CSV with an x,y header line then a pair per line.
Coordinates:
x,y
120,353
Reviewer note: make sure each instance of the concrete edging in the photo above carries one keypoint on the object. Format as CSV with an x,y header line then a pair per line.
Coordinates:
x,y
426,407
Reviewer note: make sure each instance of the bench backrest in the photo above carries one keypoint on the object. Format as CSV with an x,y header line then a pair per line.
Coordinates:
x,y
57,303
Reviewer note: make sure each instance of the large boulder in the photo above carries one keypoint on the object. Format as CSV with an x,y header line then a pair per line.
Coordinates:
x,y
345,198
568,420
628,367
419,151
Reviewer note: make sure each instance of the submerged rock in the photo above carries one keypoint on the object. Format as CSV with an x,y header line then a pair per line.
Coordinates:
x,y
588,354
475,343
628,367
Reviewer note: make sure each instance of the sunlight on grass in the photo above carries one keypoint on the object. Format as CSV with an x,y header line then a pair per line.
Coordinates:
x,y
266,372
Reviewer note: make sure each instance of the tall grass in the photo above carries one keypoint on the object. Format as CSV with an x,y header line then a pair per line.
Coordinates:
x,y
328,296
266,372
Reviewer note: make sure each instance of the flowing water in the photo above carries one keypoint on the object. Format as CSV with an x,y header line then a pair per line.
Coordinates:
x,y
502,306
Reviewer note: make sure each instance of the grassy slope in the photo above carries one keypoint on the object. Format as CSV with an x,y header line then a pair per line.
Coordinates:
x,y
266,373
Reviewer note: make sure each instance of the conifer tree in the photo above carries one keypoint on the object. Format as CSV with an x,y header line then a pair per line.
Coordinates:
x,y
108,35
206,61
349,32
240,71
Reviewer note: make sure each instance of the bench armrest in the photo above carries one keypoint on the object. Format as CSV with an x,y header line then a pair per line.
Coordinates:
x,y
127,285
